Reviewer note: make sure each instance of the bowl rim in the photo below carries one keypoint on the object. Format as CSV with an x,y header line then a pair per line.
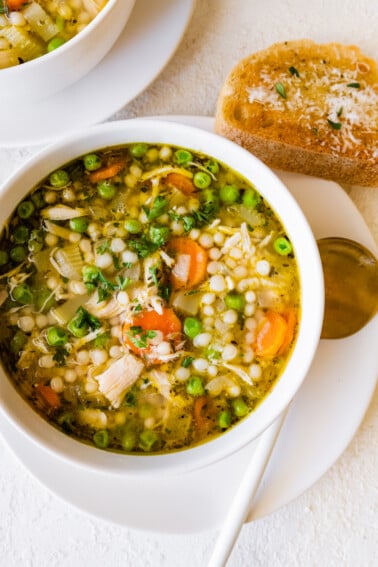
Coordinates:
x,y
69,45
312,304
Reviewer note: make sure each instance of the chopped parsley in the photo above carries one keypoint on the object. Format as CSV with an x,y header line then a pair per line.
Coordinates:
x,y
159,207
143,247
354,85
139,337
188,221
84,318
60,356
95,279
187,361
205,214
103,247
154,270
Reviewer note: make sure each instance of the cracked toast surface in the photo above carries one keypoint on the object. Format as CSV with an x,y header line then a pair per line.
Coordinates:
x,y
306,107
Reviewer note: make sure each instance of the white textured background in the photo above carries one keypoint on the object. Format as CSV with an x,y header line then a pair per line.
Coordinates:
x,y
334,524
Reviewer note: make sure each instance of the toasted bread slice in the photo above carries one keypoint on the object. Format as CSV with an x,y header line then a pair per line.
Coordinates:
x,y
304,107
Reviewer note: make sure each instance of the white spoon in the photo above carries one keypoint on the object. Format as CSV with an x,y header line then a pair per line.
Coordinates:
x,y
243,498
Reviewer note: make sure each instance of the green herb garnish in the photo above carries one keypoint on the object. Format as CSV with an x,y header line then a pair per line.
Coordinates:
x,y
280,89
354,85
334,125
83,317
103,247
293,71
139,337
60,356
158,208
143,247
187,361
95,279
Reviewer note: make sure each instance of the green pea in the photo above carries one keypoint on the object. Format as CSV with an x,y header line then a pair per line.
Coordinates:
x,y
106,189
282,246
148,440
201,179
79,224
224,419
59,178
21,234
18,341
192,327
210,197
54,43
25,209
35,243
183,157
92,162
212,354
101,438
133,226
77,328
3,257
145,410
235,301
138,150
240,407
159,234
56,336
229,194
212,166
251,198
194,386
38,199
18,254
128,440
23,294
43,298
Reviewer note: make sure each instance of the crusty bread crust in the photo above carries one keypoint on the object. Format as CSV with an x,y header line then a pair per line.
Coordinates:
x,y
308,108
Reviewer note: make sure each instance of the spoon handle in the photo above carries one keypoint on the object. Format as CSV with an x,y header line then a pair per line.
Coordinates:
x,y
244,495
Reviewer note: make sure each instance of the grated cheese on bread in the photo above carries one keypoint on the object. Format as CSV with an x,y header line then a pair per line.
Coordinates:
x,y
305,107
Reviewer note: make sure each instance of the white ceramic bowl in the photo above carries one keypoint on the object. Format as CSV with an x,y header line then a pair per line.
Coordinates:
x,y
54,71
154,131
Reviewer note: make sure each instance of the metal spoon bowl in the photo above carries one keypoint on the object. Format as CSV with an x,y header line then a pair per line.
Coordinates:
x,y
351,286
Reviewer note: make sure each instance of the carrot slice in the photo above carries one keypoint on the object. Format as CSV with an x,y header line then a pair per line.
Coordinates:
x,y
16,4
167,323
270,334
48,395
203,414
191,262
291,320
107,171
184,184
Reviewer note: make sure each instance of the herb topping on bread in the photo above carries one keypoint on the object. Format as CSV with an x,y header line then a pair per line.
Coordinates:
x,y
305,107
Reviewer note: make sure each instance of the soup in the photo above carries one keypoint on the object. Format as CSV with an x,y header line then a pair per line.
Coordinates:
x,y
31,29
150,298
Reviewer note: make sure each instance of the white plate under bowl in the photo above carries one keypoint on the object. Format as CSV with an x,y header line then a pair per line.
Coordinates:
x,y
149,39
321,421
